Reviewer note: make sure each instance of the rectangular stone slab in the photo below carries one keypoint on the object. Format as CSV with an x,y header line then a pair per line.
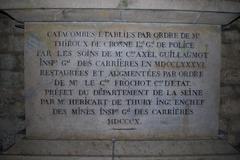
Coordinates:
x,y
156,148
121,80
113,15
61,147
173,148
216,157
197,5
19,157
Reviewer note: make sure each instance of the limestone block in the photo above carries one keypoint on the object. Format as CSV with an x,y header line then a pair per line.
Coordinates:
x,y
233,138
230,91
121,15
230,76
234,125
10,79
64,147
230,36
53,158
4,42
122,150
197,5
6,25
11,43
153,123
230,105
17,43
215,18
11,96
231,51
8,62
171,148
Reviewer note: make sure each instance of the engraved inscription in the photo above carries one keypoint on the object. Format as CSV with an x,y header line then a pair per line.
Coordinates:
x,y
121,80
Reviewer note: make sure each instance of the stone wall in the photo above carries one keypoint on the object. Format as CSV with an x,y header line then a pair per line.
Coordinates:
x,y
11,82
230,82
12,95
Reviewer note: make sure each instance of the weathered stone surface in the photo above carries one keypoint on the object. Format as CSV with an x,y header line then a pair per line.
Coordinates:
x,y
159,16
52,158
8,62
215,18
231,51
172,148
231,36
223,157
230,76
65,147
13,62
174,11
12,125
5,25
121,150
217,157
234,124
4,43
229,105
11,43
207,157
234,139
7,140
121,15
10,79
197,5
230,91
151,122
18,43
12,112
11,96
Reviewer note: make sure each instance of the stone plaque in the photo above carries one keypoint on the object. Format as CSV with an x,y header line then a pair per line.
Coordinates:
x,y
121,80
